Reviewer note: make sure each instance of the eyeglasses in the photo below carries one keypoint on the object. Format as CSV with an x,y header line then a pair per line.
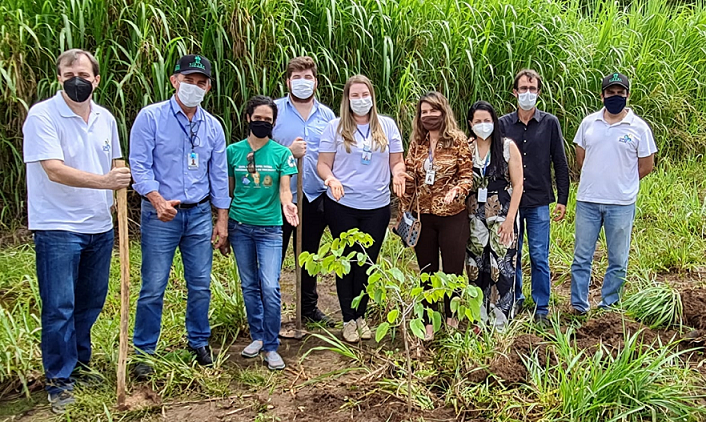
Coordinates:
x,y
251,162
524,89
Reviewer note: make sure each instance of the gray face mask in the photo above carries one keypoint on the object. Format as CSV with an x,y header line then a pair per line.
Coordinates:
x,y
527,100
361,106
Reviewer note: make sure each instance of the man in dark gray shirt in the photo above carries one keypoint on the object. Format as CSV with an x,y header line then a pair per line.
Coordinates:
x,y
538,137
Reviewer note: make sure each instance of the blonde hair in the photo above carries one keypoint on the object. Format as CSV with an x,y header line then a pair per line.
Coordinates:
x,y
347,125
448,132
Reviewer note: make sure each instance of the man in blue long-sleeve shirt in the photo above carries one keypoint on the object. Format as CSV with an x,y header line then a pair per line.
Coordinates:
x,y
538,137
178,162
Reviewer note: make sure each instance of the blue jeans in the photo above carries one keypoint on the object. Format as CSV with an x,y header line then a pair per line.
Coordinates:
x,y
191,231
258,256
616,221
72,271
535,220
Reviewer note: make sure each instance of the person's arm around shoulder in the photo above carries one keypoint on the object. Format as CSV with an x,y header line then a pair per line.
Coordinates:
x,y
218,178
516,179
561,170
142,143
580,143
288,167
397,164
464,171
327,155
646,150
42,144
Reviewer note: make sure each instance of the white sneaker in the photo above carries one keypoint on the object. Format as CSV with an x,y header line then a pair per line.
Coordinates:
x,y
363,329
350,332
252,350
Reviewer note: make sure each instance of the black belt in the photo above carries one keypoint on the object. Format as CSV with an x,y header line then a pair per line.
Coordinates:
x,y
187,206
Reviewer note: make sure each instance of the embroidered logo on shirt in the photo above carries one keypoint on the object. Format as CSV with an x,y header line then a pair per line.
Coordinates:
x,y
291,162
106,147
625,139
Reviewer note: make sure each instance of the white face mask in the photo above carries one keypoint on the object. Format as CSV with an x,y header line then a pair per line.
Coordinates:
x,y
483,130
527,100
302,88
361,106
190,95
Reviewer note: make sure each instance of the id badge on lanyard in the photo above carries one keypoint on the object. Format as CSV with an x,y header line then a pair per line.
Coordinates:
x,y
192,158
367,154
483,192
429,169
193,162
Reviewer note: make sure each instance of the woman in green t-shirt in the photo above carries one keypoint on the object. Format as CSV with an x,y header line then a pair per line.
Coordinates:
x,y
259,170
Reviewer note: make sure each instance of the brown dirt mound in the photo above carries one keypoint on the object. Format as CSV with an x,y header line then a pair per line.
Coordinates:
x,y
694,303
511,368
611,329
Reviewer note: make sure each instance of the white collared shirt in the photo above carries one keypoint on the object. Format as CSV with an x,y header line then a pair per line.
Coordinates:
x,y
52,131
610,170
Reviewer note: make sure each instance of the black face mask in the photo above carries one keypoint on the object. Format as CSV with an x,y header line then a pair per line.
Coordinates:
x,y
260,128
78,89
615,104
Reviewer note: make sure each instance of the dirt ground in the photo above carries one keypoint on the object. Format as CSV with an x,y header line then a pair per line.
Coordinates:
x,y
300,396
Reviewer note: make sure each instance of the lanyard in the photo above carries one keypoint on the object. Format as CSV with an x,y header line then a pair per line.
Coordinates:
x,y
191,136
365,137
485,165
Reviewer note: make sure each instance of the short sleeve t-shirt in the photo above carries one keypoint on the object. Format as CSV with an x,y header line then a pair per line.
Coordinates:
x,y
52,131
610,172
365,186
256,195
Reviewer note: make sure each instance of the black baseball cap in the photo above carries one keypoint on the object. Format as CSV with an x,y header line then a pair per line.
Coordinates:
x,y
616,79
193,63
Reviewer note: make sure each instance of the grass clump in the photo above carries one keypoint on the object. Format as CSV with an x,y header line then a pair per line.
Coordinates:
x,y
655,304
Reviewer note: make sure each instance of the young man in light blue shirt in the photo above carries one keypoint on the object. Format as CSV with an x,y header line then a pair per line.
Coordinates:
x,y
301,121
178,160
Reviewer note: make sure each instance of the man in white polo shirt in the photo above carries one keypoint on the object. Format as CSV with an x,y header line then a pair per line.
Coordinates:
x,y
69,146
614,149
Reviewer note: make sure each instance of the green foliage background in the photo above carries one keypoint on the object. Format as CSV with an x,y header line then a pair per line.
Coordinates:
x,y
469,50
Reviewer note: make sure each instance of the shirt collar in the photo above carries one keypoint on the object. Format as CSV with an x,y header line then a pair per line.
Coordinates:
x,y
629,118
65,110
177,109
538,115
314,109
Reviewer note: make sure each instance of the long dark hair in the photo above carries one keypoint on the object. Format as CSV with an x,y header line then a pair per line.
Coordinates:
x,y
497,166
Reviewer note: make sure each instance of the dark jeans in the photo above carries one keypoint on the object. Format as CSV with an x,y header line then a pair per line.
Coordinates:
x,y
373,222
313,226
72,271
448,235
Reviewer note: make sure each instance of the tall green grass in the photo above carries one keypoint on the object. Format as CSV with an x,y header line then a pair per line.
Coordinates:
x,y
469,50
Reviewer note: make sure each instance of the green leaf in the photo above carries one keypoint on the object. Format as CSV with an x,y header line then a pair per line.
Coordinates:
x,y
392,316
416,291
304,257
436,321
381,331
419,310
397,274
356,301
455,301
323,250
425,277
417,327
374,278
